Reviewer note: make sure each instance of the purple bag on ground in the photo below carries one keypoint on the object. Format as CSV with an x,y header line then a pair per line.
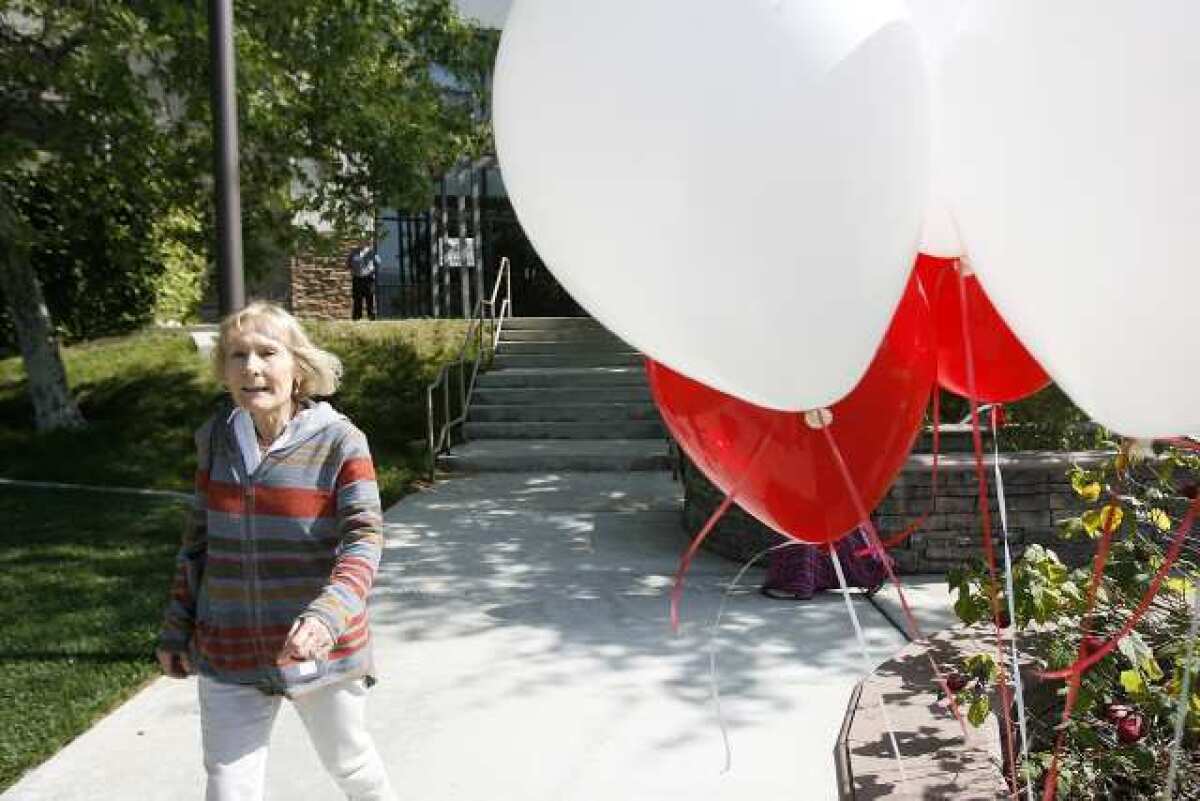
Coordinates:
x,y
799,571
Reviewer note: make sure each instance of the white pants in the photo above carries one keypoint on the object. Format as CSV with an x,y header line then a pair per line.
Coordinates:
x,y
236,725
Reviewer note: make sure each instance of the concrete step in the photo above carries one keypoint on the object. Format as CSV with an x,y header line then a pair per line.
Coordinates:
x,y
553,324
562,413
508,335
505,361
643,429
631,393
519,456
564,348
563,377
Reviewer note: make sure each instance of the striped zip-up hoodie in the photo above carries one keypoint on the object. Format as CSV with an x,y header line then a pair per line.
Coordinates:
x,y
300,535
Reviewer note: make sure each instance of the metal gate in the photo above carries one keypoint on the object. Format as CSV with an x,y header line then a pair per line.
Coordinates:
x,y
423,271
402,286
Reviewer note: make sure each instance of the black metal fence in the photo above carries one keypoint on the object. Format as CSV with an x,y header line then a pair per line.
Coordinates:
x,y
403,282
419,276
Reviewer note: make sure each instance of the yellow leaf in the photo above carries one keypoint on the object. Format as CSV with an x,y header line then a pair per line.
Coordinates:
x,y
1132,681
1178,585
1160,519
1090,492
1107,518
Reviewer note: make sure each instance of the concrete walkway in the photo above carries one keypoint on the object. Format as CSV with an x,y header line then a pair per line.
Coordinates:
x,y
524,653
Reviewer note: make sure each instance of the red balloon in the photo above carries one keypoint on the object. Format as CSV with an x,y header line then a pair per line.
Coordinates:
x,y
1004,370
793,484
930,272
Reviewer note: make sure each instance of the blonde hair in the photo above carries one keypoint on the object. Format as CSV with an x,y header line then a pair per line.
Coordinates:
x,y
318,372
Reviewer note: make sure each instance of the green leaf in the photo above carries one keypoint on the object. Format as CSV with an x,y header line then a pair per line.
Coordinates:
x,y
968,608
979,709
1134,648
1085,698
1140,655
1152,669
1085,736
1142,758
1193,714
1071,528
981,666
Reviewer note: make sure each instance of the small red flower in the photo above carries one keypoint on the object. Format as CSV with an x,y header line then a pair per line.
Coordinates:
x,y
957,681
1131,728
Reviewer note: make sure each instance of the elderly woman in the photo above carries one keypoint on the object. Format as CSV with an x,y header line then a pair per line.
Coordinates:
x,y
270,596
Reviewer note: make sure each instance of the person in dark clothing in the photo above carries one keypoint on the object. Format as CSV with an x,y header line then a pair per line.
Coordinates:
x,y
363,262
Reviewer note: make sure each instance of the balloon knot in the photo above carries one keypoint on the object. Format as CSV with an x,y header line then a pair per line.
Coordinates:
x,y
818,418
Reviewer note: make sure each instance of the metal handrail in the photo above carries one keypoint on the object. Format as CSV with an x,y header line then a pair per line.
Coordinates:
x,y
475,333
504,275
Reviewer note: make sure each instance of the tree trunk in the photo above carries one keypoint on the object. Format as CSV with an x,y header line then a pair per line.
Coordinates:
x,y
53,406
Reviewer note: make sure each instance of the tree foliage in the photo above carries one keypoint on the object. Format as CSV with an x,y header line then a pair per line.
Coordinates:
x,y
106,135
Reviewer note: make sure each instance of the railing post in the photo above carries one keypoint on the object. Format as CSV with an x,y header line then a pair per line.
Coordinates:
x,y
446,406
442,247
464,271
435,274
462,395
429,433
444,437
478,176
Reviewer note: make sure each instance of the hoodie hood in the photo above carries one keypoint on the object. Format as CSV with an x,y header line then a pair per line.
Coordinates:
x,y
312,418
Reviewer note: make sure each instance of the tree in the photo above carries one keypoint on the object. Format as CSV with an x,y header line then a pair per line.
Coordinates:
x,y
105,132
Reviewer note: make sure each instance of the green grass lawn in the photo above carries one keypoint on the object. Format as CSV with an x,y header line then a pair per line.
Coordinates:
x,y
84,575
83,578
145,394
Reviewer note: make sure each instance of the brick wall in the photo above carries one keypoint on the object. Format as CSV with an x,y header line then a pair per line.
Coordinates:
x,y
1036,486
320,286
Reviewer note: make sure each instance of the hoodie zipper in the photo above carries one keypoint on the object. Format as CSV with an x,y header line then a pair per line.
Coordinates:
x,y
250,552
250,560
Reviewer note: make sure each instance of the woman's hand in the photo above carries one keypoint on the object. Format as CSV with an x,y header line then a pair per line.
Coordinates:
x,y
175,664
308,639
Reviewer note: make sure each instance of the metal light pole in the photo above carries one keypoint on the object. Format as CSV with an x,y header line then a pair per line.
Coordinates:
x,y
231,283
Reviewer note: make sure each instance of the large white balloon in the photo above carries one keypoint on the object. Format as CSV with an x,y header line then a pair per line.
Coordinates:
x,y
735,187
938,23
1072,146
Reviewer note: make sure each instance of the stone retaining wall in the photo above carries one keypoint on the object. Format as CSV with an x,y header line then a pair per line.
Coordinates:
x,y
320,285
1038,492
938,762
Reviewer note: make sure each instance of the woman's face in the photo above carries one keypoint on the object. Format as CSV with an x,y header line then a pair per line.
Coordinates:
x,y
259,372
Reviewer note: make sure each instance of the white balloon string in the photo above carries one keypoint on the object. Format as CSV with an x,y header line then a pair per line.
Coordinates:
x,y
1012,604
713,683
985,518
913,631
868,668
1185,695
686,561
